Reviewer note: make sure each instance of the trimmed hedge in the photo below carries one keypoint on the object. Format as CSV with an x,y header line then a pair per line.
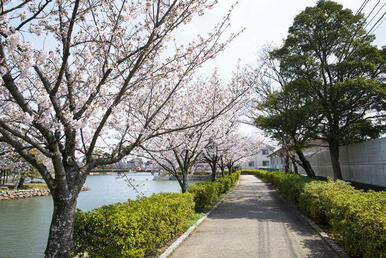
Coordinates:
x,y
207,194
356,218
134,228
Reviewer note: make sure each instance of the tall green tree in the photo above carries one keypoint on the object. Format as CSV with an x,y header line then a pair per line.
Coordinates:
x,y
330,54
282,110
290,116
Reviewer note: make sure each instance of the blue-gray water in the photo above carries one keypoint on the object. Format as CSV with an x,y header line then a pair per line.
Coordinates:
x,y
24,223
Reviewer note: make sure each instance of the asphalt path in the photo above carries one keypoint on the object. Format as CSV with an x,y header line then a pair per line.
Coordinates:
x,y
254,221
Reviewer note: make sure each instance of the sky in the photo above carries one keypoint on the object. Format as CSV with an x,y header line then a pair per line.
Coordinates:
x,y
265,22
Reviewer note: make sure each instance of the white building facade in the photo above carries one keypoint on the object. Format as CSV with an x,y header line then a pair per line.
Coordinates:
x,y
259,160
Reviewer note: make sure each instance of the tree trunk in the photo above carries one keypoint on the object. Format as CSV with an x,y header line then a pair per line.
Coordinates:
x,y
184,187
295,166
20,184
334,155
222,166
305,164
214,168
286,163
60,242
230,167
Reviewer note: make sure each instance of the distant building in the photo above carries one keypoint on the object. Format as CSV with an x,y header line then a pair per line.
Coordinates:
x,y
260,160
152,166
277,159
135,164
119,165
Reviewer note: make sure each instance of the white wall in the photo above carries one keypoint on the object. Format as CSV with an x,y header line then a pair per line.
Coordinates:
x,y
277,162
362,162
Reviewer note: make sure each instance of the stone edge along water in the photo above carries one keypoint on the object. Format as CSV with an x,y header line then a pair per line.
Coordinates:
x,y
21,194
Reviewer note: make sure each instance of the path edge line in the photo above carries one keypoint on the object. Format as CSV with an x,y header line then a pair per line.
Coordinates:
x,y
179,240
330,242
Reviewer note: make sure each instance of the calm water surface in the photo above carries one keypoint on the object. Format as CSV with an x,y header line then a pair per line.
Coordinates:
x,y
24,223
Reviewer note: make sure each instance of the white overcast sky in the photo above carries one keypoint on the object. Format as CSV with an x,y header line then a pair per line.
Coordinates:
x,y
265,22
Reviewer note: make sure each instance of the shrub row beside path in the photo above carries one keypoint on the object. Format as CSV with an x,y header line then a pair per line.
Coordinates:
x,y
356,219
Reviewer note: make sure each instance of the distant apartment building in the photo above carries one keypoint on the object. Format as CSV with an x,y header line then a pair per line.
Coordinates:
x,y
276,159
136,164
260,160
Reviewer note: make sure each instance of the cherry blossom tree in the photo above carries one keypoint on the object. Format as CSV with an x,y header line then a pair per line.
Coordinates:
x,y
179,151
213,149
226,148
77,76
237,149
218,136
13,164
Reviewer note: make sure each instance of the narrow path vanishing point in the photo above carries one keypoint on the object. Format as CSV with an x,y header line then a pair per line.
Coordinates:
x,y
254,221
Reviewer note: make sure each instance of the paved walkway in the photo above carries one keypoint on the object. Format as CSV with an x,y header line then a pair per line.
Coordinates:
x,y
253,221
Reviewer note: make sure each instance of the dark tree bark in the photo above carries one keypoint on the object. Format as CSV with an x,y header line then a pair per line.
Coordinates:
x,y
305,164
64,196
60,241
20,184
222,166
181,179
286,163
184,186
230,168
214,168
295,166
212,160
334,155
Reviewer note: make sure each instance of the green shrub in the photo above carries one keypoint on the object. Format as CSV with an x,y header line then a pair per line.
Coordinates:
x,y
200,173
134,228
235,177
356,218
208,193
205,195
226,184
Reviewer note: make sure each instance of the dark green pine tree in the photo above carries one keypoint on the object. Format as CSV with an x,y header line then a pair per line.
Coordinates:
x,y
331,56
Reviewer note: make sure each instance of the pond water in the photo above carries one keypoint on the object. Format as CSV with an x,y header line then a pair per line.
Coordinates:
x,y
24,223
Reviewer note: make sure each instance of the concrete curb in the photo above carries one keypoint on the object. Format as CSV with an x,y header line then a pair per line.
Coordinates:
x,y
330,242
179,241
